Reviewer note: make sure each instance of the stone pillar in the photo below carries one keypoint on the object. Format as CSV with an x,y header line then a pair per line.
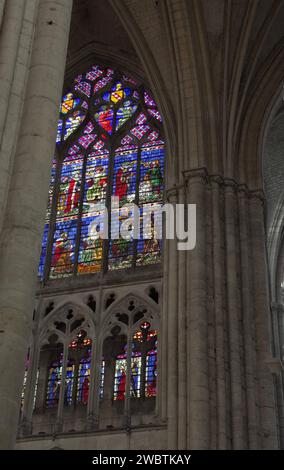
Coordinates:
x,y
2,6
248,324
10,35
17,33
266,392
198,415
277,311
171,340
21,236
234,316
182,340
219,313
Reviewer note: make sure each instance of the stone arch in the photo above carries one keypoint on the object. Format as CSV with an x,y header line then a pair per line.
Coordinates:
x,y
257,118
76,312
123,304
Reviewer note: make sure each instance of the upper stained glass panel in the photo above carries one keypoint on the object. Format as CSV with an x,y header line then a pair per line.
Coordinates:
x,y
109,143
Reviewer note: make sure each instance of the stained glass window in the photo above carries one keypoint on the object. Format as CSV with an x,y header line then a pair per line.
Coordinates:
x,y
109,143
143,376
25,384
120,377
78,370
54,383
77,377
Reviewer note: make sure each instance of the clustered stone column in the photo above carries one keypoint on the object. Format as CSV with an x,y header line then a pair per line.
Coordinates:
x,y
26,204
277,364
17,29
217,316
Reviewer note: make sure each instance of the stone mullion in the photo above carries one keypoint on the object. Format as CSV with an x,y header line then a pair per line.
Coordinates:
x,y
59,417
268,431
30,389
109,378
127,400
198,416
95,368
94,388
143,372
248,323
44,363
75,382
218,276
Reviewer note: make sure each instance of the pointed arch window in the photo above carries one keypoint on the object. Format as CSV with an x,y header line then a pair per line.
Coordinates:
x,y
109,143
143,363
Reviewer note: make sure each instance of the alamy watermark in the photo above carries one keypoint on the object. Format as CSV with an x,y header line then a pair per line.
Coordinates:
x,y
147,221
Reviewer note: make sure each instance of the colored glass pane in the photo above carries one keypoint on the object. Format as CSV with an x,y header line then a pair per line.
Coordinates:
x,y
84,87
62,259
124,113
83,381
104,118
120,376
148,100
151,174
73,122
156,114
119,141
151,374
53,384
69,103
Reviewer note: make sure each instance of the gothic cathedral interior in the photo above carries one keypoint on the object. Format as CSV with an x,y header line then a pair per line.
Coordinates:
x,y
110,109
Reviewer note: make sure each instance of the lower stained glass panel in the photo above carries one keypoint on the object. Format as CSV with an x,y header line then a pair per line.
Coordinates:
x,y
120,376
53,384
62,262
83,381
151,374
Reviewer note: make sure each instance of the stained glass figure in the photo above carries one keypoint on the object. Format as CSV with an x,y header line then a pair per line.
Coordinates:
x,y
54,383
145,346
78,371
83,381
104,118
120,377
117,151
151,373
135,375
